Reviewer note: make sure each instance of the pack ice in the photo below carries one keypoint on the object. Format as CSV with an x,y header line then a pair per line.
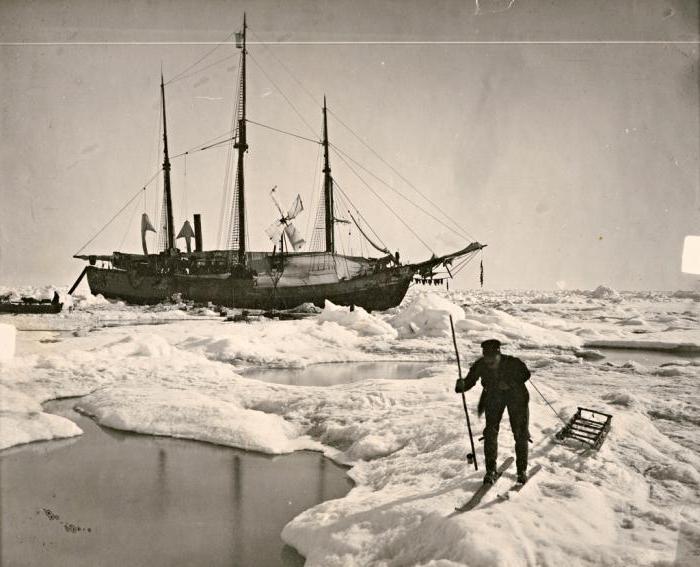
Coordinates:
x,y
635,502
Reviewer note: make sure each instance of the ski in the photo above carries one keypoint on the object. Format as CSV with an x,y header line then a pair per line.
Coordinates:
x,y
476,498
518,487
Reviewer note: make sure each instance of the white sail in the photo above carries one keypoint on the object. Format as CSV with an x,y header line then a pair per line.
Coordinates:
x,y
274,231
296,208
294,237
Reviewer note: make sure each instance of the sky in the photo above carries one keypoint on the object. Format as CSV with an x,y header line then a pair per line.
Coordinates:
x,y
565,135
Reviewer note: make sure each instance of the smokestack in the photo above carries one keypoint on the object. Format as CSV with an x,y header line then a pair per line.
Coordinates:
x,y
198,233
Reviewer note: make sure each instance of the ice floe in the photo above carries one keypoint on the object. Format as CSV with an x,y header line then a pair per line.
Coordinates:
x,y
405,439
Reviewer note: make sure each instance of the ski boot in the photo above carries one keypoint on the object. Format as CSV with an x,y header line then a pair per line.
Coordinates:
x,y
490,477
522,477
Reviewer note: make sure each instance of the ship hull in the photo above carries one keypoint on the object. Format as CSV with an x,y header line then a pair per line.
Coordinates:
x,y
375,291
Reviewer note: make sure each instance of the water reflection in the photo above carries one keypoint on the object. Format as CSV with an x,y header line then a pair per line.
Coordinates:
x,y
153,501
331,374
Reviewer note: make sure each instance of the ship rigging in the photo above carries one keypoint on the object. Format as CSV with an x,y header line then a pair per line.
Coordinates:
x,y
287,276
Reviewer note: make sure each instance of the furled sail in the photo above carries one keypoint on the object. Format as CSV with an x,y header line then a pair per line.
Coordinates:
x,y
145,227
380,248
187,233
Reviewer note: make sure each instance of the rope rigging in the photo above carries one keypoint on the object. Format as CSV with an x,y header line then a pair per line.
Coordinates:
x,y
393,212
128,228
119,212
287,70
231,136
227,211
314,186
229,192
184,208
458,229
386,184
463,264
347,197
292,134
227,58
206,145
202,58
289,102
156,166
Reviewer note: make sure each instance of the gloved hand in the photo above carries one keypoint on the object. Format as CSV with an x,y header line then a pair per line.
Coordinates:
x,y
461,385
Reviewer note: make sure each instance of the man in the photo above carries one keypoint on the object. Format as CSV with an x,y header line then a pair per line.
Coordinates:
x,y
503,378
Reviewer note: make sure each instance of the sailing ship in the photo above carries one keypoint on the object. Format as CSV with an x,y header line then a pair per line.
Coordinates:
x,y
283,278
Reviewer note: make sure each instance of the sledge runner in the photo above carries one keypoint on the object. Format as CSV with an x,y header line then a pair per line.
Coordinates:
x,y
503,378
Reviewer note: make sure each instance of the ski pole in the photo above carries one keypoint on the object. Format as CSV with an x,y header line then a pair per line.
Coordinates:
x,y
471,457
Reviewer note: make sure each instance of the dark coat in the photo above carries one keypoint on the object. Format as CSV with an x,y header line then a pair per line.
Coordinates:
x,y
511,375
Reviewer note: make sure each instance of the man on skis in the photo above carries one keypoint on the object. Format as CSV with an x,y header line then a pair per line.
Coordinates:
x,y
503,378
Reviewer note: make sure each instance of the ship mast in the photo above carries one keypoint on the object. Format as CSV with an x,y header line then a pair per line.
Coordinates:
x,y
166,174
242,146
327,185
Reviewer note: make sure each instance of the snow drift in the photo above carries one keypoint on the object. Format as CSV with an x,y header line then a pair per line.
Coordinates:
x,y
22,420
357,320
191,415
426,315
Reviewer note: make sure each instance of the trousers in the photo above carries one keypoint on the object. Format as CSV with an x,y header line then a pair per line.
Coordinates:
x,y
495,402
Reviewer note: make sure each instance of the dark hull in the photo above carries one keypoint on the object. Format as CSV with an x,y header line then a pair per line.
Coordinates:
x,y
377,291
31,308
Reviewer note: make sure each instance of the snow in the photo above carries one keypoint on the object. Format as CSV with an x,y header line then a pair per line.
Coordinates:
x,y
683,341
604,292
482,324
427,314
22,420
405,439
8,335
163,411
357,320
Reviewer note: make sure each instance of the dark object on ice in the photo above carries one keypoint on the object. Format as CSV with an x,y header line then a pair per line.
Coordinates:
x,y
286,315
471,457
242,317
31,305
282,278
592,432
503,378
476,498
